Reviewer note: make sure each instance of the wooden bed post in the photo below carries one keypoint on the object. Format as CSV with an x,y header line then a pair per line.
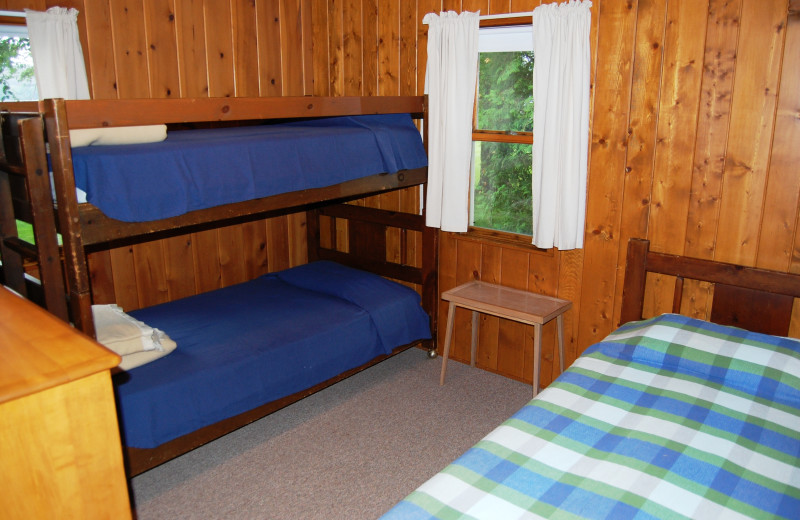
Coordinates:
x,y
430,275
312,235
635,277
44,226
430,250
80,296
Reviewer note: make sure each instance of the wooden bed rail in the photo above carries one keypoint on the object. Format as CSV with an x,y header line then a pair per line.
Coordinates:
x,y
128,112
755,299
100,229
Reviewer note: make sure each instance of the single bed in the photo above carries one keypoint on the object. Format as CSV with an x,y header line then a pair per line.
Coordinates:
x,y
668,417
260,341
249,349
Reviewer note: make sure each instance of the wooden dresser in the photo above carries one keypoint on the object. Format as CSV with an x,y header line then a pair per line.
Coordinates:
x,y
60,451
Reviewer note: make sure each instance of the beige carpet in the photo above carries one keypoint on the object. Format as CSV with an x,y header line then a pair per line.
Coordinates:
x,y
348,452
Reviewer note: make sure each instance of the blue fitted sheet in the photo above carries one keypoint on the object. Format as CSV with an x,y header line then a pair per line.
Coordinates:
x,y
252,343
198,169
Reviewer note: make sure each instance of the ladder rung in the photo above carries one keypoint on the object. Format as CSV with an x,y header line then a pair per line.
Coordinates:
x,y
15,169
21,247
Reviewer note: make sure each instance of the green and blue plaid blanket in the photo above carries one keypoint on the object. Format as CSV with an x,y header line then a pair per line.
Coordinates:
x,y
669,417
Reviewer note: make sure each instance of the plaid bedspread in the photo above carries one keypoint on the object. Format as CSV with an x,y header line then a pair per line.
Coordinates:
x,y
667,418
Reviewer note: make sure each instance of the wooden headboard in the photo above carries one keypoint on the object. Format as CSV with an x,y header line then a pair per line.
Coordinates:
x,y
754,299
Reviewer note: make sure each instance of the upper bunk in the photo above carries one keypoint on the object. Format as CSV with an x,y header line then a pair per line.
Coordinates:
x,y
38,136
90,163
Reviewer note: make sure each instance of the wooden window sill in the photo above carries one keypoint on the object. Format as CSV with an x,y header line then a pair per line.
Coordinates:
x,y
504,238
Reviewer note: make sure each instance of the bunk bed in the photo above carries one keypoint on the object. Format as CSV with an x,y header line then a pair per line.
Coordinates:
x,y
667,417
232,362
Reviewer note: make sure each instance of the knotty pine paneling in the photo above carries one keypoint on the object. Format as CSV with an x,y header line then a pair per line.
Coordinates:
x,y
777,246
708,164
641,138
611,95
682,67
751,136
162,48
694,133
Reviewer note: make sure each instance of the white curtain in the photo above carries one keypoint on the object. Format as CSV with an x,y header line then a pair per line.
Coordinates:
x,y
450,82
560,123
57,54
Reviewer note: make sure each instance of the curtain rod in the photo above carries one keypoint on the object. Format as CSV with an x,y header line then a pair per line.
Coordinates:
x,y
507,15
496,16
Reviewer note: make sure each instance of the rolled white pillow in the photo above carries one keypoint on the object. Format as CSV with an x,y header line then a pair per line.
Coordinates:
x,y
117,135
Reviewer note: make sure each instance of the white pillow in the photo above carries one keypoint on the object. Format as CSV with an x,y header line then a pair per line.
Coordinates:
x,y
122,333
117,135
136,359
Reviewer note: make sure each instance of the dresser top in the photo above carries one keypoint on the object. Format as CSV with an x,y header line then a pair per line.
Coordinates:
x,y
39,351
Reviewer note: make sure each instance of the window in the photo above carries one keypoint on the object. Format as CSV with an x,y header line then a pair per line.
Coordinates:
x,y
503,131
17,82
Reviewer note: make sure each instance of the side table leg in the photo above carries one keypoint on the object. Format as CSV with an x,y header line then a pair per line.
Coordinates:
x,y
473,349
451,310
537,356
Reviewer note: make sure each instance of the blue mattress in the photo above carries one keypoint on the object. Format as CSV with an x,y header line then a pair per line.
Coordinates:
x,y
197,169
249,344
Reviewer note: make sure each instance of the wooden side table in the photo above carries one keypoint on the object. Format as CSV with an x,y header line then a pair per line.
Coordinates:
x,y
505,302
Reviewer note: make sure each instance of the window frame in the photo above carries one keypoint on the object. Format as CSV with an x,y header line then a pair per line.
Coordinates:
x,y
12,18
16,19
14,23
499,136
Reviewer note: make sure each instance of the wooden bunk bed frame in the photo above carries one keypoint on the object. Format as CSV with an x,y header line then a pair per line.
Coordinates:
x,y
755,299
32,130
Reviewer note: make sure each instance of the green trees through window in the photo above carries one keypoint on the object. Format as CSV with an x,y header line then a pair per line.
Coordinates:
x,y
17,82
502,140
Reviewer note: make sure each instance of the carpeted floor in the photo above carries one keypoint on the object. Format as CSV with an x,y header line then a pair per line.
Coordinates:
x,y
348,452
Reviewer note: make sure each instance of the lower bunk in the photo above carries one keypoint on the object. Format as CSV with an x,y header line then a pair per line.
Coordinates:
x,y
668,417
273,340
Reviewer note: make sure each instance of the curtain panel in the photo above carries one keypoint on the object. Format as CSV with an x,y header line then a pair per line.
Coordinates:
x,y
450,82
561,76
57,53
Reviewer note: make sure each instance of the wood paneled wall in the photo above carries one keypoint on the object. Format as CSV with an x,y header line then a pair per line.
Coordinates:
x,y
694,140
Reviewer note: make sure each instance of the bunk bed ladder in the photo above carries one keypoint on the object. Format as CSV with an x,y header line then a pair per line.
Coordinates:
x,y
26,195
